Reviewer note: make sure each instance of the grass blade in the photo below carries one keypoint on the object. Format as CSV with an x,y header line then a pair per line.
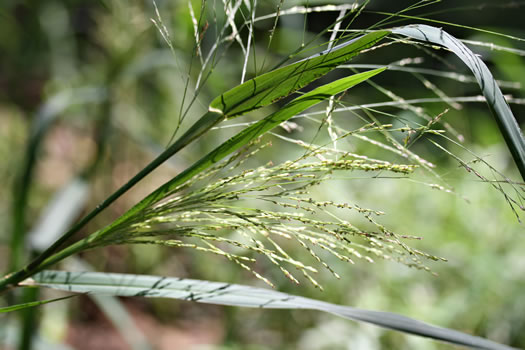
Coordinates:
x,y
244,296
506,121
274,85
32,304
269,87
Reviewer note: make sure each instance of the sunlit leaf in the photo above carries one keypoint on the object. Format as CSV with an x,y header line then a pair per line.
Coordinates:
x,y
279,83
244,296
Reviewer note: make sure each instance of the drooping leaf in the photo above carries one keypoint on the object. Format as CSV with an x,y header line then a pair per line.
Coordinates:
x,y
506,121
243,296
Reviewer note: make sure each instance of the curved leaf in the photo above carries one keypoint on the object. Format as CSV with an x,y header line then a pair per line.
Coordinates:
x,y
507,123
244,296
274,85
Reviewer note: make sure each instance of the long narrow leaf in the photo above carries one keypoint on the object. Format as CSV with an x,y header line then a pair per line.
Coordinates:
x,y
506,121
32,304
279,83
244,296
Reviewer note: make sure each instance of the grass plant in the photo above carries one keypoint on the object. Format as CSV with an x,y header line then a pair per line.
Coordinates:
x,y
251,211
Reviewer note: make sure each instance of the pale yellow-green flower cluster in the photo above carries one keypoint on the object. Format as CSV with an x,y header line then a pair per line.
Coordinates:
x,y
244,215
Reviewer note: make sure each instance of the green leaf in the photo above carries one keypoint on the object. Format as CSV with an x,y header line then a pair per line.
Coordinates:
x,y
506,121
244,296
32,304
279,83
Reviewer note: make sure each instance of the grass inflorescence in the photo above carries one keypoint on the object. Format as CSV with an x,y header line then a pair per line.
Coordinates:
x,y
244,214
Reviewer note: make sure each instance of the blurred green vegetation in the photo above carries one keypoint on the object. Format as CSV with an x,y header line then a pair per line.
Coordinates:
x,y
61,48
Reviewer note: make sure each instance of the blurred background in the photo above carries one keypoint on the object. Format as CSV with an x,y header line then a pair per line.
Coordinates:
x,y
90,92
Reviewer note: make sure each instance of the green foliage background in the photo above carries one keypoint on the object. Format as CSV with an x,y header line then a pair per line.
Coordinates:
x,y
114,48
